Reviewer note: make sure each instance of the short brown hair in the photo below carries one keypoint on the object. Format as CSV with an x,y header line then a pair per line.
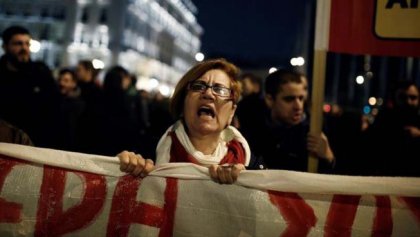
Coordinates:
x,y
274,81
177,101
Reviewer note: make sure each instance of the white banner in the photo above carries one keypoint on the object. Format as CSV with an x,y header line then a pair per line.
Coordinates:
x,y
46,192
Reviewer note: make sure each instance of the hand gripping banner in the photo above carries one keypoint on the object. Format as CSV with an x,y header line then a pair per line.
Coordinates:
x,y
46,192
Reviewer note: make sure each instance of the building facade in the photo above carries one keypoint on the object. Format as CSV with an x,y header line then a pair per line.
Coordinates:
x,y
154,39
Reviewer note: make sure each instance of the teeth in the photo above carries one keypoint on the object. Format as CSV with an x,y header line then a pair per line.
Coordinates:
x,y
205,111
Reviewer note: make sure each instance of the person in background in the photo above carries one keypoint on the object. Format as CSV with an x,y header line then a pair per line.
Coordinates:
x,y
71,108
395,134
28,93
12,134
251,84
121,121
204,103
89,131
281,136
160,118
251,105
67,83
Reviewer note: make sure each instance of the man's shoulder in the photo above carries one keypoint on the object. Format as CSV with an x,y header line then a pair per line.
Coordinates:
x,y
40,66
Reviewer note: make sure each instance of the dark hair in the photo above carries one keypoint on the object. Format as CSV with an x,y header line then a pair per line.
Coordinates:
x,y
67,70
177,101
404,85
275,80
88,65
252,77
12,31
113,79
401,88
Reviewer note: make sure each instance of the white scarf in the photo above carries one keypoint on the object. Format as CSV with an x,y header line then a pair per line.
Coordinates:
x,y
164,146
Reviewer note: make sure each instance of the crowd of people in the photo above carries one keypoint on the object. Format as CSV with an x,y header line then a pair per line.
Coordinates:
x,y
216,117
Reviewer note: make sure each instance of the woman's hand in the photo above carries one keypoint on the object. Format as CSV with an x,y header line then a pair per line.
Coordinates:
x,y
135,164
225,174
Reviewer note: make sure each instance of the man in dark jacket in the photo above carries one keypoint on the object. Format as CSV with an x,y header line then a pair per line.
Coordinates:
x,y
281,137
28,94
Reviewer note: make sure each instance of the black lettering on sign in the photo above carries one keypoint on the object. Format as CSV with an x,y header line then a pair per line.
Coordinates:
x,y
402,3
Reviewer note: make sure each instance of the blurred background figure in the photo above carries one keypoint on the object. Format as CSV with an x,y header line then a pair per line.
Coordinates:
x,y
396,135
86,77
28,93
251,84
348,139
160,119
71,108
12,134
120,122
251,106
67,83
88,134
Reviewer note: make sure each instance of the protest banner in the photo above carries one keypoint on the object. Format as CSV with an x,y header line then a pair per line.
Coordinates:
x,y
46,192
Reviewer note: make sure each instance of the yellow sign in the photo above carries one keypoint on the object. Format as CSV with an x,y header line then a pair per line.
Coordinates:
x,y
397,19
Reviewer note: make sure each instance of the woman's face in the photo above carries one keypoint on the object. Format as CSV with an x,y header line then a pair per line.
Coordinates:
x,y
206,113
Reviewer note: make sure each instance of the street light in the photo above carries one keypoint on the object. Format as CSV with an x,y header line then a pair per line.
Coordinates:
x,y
372,101
298,61
360,80
98,64
199,57
35,46
271,70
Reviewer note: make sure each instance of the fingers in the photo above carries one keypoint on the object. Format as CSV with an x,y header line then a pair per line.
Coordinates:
x,y
124,160
225,174
135,164
148,167
317,144
313,143
213,173
236,170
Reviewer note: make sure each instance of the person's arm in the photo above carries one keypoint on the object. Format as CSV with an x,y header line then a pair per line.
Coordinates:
x,y
135,164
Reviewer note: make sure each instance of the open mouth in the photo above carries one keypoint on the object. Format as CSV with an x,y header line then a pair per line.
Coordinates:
x,y
206,111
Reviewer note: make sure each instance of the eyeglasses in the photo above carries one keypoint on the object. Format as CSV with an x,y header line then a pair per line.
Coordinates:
x,y
216,89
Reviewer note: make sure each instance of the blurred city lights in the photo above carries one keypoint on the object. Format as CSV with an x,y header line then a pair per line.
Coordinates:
x,y
164,90
98,64
199,57
360,80
35,46
379,101
366,109
298,61
372,101
327,108
153,83
271,70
